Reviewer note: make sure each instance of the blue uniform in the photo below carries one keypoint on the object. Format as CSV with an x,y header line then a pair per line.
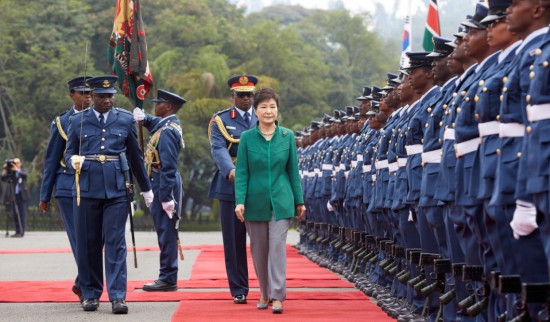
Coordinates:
x,y
103,211
167,186
57,173
224,153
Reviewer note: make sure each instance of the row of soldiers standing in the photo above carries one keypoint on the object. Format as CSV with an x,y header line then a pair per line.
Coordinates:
x,y
433,195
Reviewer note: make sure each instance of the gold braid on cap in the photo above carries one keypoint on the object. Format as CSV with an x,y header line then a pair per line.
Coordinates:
x,y
217,119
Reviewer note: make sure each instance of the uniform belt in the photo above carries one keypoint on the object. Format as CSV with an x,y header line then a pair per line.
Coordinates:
x,y
354,164
538,112
489,128
101,157
449,134
431,156
359,157
508,130
466,147
413,149
393,166
401,162
326,167
381,164
316,172
367,168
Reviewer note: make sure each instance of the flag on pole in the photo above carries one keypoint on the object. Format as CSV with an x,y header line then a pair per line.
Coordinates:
x,y
128,52
407,43
432,26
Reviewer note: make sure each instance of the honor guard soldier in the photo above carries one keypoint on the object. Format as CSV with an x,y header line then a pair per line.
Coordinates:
x,y
224,132
97,139
56,173
161,162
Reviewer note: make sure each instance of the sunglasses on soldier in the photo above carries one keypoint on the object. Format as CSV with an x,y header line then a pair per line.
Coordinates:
x,y
244,94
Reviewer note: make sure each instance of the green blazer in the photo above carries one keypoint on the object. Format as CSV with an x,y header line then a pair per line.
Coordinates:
x,y
266,177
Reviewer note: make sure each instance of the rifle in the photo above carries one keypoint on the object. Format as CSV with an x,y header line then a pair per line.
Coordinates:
x,y
130,198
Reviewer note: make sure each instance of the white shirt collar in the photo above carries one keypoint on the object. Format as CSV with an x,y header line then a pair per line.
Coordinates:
x,y
241,112
503,54
105,115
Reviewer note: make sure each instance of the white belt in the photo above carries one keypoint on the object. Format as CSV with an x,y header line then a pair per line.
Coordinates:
x,y
316,172
326,167
538,112
508,130
432,156
488,128
354,164
413,149
342,166
359,157
401,162
346,174
381,164
367,168
466,147
393,166
449,134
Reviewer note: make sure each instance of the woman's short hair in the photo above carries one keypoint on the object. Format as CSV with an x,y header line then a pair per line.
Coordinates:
x,y
265,94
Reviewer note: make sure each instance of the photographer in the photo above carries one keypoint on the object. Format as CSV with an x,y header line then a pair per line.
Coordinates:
x,y
13,172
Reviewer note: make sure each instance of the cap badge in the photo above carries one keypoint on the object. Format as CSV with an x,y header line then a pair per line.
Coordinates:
x,y
106,84
243,80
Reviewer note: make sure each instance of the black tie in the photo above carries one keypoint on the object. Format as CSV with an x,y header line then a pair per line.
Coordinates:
x,y
247,119
101,120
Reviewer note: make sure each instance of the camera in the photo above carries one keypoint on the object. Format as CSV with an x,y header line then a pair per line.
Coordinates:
x,y
9,165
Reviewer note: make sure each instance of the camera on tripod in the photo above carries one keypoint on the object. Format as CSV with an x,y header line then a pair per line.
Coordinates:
x,y
9,165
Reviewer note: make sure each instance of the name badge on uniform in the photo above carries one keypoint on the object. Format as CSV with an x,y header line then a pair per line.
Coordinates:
x,y
230,127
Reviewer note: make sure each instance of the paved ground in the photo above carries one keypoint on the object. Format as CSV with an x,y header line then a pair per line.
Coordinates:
x,y
61,266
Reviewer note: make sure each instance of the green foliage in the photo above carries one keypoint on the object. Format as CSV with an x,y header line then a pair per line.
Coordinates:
x,y
316,60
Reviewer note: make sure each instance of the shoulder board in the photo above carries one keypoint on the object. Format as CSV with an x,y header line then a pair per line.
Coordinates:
x,y
122,110
64,112
223,111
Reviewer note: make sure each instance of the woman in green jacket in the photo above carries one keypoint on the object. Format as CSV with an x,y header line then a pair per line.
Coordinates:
x,y
268,193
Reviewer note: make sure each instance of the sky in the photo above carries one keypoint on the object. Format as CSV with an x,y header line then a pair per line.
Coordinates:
x,y
351,5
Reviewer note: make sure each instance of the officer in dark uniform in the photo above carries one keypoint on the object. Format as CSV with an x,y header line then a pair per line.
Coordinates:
x,y
225,130
56,171
96,139
161,161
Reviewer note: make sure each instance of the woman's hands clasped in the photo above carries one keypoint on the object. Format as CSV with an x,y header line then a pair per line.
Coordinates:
x,y
239,212
301,210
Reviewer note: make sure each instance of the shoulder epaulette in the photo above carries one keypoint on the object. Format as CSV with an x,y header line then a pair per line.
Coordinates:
x,y
64,112
123,110
221,112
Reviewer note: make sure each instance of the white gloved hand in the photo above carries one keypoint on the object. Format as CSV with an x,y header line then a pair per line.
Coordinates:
x,y
329,207
524,221
77,158
411,217
138,114
148,197
169,208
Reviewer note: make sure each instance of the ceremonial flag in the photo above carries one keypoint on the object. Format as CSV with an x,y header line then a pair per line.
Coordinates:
x,y
432,26
407,43
128,52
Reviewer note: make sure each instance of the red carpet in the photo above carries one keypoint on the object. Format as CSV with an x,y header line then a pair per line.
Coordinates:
x,y
204,298
294,310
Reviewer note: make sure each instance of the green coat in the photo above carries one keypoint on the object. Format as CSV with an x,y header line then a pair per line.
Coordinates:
x,y
267,177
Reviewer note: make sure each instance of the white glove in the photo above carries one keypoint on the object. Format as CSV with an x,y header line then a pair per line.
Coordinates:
x,y
75,159
329,207
138,114
169,208
148,197
524,221
411,217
